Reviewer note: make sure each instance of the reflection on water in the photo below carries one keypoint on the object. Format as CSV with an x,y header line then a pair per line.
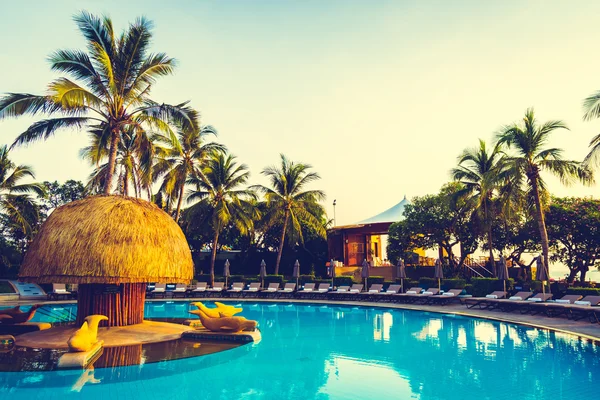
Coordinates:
x,y
333,352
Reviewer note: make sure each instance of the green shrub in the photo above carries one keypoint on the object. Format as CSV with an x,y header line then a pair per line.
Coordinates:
x,y
306,279
6,287
274,279
454,283
343,281
584,291
375,280
252,279
236,278
427,283
469,288
484,286
203,278
408,283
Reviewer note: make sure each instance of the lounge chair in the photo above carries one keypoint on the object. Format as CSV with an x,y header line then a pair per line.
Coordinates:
x,y
253,288
272,288
288,290
445,298
307,288
356,288
236,287
421,297
386,295
556,307
471,302
323,288
160,289
392,289
535,304
58,290
508,304
180,290
217,287
200,288
341,289
583,308
411,291
374,289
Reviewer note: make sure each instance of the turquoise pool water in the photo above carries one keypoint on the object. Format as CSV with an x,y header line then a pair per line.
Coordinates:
x,y
335,352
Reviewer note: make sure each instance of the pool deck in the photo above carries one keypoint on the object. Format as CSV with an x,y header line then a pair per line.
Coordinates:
x,y
146,332
582,328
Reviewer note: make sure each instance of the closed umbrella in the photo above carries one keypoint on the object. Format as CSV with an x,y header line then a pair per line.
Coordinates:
x,y
296,273
263,272
541,273
401,273
226,273
365,271
502,270
331,271
439,273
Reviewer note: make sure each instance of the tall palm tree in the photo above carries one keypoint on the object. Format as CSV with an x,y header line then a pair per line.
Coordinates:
x,y
222,200
532,157
15,200
591,106
135,155
481,172
109,91
184,159
287,201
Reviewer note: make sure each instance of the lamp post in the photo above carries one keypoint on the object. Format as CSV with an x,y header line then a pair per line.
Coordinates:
x,y
334,201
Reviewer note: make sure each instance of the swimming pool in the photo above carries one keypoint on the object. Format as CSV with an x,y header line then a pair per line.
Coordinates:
x,y
343,352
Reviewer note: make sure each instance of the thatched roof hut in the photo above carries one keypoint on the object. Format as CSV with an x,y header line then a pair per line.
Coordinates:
x,y
108,239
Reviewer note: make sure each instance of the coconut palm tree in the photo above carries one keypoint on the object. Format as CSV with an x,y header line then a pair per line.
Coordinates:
x,y
184,159
529,141
15,200
482,173
591,106
287,201
135,155
109,89
222,199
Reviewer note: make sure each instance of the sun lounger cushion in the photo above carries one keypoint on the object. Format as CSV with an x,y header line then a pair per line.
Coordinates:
x,y
373,291
354,290
491,296
515,298
411,292
448,294
428,293
583,303
562,301
534,299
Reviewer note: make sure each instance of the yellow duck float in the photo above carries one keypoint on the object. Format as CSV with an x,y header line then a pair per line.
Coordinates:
x,y
225,323
11,316
84,338
226,310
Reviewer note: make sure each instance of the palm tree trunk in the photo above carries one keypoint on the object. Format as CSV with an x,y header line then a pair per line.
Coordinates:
x,y
489,235
112,159
126,182
213,257
287,214
179,201
539,216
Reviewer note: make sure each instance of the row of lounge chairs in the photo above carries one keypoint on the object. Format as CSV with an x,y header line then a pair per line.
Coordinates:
x,y
572,306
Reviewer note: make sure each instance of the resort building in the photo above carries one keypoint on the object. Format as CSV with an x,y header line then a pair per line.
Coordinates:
x,y
350,245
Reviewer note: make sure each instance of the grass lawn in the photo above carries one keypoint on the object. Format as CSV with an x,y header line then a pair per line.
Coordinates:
x,y
6,287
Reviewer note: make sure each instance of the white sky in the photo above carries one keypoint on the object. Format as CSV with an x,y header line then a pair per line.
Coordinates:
x,y
379,96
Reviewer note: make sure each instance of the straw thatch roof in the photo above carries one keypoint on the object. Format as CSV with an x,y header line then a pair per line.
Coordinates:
x,y
108,239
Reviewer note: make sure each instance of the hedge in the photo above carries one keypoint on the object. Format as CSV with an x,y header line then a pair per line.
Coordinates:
x,y
274,279
375,280
306,279
584,291
343,281
484,286
447,284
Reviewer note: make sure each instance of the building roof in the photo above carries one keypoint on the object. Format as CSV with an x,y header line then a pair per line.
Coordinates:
x,y
393,214
108,239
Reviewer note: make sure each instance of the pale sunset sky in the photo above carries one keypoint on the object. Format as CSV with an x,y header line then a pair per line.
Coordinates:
x,y
379,96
